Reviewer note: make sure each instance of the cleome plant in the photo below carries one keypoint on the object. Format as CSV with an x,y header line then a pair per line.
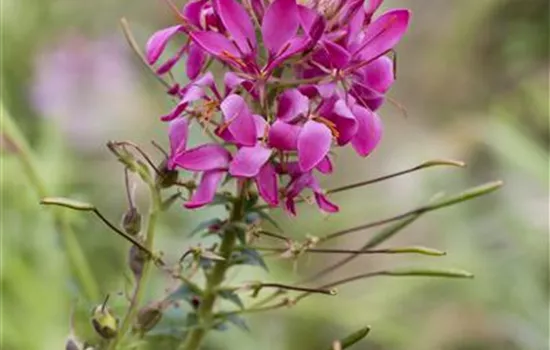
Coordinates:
x,y
276,87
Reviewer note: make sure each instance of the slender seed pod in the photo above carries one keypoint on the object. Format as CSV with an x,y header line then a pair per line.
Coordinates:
x,y
136,260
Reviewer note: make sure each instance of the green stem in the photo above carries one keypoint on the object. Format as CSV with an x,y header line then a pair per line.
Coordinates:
x,y
72,249
141,283
215,279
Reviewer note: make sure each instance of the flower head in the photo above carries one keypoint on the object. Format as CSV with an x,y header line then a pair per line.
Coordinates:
x,y
301,79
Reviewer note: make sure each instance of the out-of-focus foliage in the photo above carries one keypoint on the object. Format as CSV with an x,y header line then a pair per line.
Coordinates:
x,y
473,76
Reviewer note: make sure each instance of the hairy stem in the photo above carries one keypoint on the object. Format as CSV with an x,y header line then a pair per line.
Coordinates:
x,y
215,279
72,248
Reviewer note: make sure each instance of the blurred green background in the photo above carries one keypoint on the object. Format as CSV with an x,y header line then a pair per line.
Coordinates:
x,y
473,77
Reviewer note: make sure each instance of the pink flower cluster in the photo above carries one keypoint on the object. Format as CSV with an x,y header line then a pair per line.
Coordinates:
x,y
298,80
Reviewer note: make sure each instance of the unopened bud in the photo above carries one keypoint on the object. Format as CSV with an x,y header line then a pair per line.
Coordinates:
x,y
136,260
148,317
131,221
166,177
105,324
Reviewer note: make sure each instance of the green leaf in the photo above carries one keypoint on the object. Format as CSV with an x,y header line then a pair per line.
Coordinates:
x,y
247,256
353,338
68,203
206,225
185,292
267,217
232,297
238,321
167,203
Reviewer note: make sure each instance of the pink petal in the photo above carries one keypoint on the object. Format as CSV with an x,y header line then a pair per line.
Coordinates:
x,y
345,122
176,111
267,185
237,23
240,120
192,12
157,43
292,47
292,104
206,190
379,74
195,61
203,158
232,81
384,33
325,166
300,183
283,136
248,161
168,65
313,144
369,131
178,131
215,44
324,204
332,55
261,125
372,6
279,25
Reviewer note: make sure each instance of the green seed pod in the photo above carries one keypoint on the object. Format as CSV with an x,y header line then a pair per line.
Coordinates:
x,y
131,221
166,177
148,317
105,324
136,260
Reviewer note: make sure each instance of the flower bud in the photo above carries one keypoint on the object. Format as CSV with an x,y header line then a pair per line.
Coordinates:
x,y
131,221
136,260
166,177
105,324
148,317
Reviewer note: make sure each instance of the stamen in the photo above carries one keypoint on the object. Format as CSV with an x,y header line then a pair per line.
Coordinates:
x,y
329,125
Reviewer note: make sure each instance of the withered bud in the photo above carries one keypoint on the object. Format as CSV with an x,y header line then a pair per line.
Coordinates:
x,y
131,221
166,177
148,317
105,324
136,260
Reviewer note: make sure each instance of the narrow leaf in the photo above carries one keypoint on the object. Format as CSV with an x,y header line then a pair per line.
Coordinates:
x,y
414,250
249,257
67,203
206,225
232,297
238,321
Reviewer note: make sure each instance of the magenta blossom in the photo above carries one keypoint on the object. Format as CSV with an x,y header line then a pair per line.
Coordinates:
x,y
300,80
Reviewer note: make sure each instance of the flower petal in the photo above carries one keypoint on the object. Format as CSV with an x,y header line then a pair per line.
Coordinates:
x,y
238,24
178,132
279,25
379,74
332,55
267,185
283,136
206,190
325,166
324,204
157,43
345,122
239,120
203,158
248,161
292,103
195,60
215,44
383,34
369,131
313,144
192,12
